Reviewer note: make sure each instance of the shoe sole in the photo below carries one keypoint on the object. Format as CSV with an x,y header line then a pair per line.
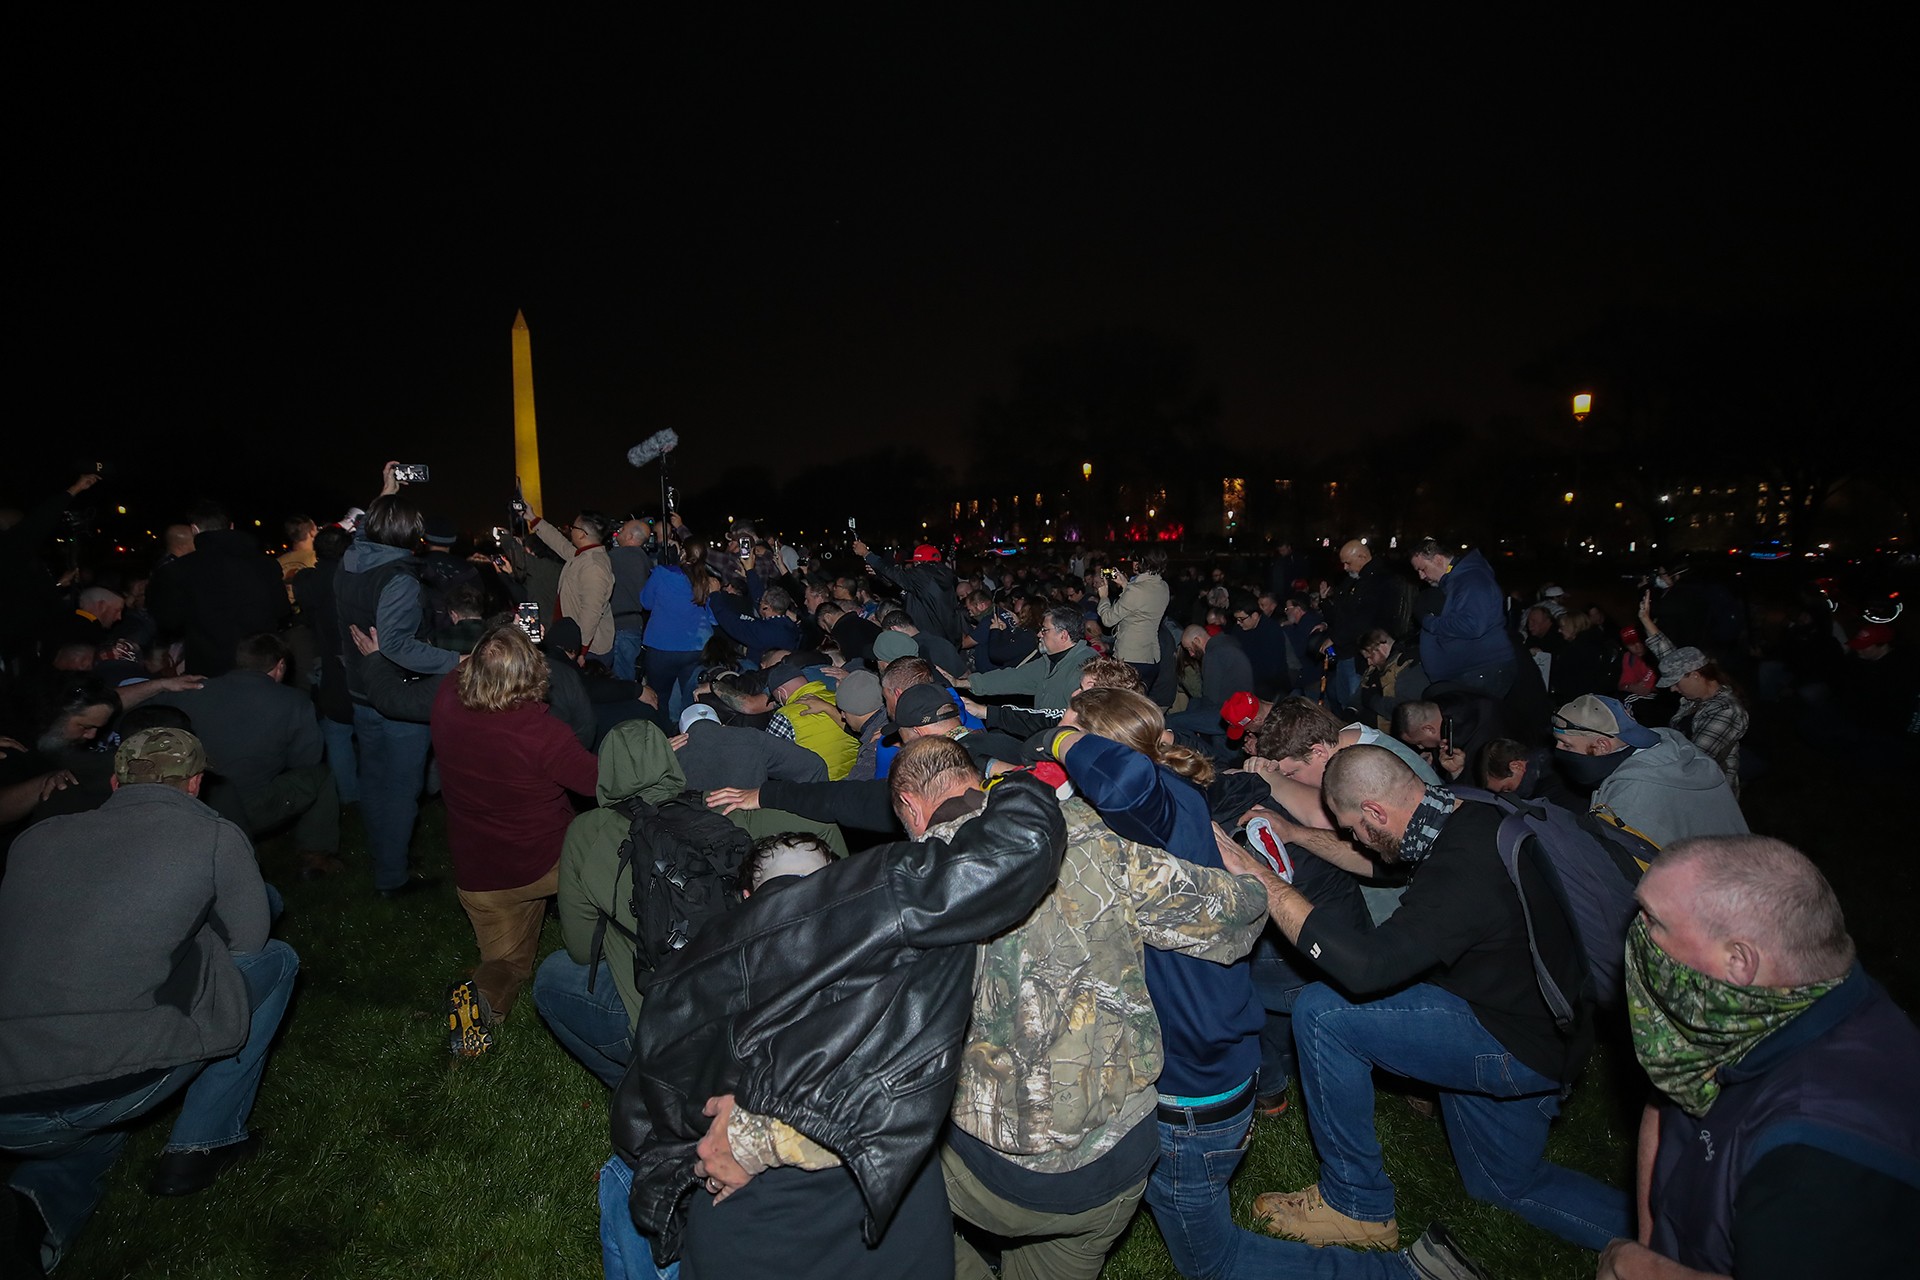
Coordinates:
x,y
467,1034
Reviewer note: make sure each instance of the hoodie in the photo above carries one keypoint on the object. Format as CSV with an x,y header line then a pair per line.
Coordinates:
x,y
635,760
1669,791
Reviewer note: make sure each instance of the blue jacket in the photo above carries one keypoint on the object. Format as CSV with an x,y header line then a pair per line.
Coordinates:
x,y
677,624
758,634
1210,1019
1469,632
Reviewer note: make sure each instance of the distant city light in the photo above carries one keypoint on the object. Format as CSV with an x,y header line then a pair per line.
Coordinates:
x,y
121,510
1582,406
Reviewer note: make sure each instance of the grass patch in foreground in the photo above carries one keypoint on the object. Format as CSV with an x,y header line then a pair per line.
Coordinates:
x,y
386,1158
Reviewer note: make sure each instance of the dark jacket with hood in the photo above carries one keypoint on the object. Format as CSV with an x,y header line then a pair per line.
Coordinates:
x,y
222,593
836,1003
929,591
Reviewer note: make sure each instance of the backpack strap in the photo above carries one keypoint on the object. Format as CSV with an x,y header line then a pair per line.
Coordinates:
x,y
1515,829
631,807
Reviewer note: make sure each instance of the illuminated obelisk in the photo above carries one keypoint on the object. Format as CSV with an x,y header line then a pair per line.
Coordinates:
x,y
526,436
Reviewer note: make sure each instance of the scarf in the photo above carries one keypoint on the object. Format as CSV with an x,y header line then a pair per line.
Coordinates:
x,y
1423,828
1688,1025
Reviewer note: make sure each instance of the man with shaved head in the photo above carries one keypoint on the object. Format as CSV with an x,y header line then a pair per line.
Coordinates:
x,y
1442,992
1784,1138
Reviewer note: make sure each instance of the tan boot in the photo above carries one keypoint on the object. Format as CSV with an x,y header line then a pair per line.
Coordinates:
x,y
1303,1215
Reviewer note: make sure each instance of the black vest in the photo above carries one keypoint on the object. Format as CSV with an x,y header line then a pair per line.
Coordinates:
x,y
356,598
1837,1078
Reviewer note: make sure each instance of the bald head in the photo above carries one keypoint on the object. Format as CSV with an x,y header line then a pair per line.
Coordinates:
x,y
1748,906
1354,556
1363,773
1194,640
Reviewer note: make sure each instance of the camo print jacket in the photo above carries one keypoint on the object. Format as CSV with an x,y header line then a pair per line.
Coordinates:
x,y
1064,1048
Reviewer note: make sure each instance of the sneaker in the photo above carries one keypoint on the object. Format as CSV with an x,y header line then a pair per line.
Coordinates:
x,y
467,1021
1270,1104
1435,1256
1303,1215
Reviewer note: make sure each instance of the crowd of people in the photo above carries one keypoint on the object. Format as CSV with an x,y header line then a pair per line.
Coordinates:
x,y
929,915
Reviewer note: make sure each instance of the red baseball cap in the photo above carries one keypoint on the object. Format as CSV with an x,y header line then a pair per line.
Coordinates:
x,y
1240,711
924,553
1871,634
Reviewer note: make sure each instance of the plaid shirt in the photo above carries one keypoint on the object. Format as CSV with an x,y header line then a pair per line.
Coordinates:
x,y
1715,725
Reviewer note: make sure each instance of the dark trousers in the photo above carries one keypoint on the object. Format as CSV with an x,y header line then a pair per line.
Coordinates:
x,y
794,1222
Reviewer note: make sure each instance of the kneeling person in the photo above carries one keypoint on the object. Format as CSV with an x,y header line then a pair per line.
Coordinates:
x,y
134,964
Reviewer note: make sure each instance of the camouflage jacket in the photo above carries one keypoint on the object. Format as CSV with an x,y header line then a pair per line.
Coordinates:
x,y
1064,1048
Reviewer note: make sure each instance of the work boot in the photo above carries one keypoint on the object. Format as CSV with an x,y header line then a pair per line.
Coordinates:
x,y
468,1018
1303,1215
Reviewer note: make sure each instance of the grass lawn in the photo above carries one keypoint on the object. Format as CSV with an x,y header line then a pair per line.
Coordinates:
x,y
386,1158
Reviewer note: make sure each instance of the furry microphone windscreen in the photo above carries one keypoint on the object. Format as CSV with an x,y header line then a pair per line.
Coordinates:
x,y
652,447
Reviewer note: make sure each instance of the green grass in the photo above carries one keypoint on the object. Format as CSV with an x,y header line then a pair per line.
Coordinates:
x,y
386,1158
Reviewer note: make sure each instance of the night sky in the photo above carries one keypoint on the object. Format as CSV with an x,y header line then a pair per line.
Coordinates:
x,y
258,268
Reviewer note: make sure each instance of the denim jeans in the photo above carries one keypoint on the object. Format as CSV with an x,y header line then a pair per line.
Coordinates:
x,y
1187,1195
1343,685
663,668
66,1151
624,1253
1277,983
626,653
393,765
342,759
591,1025
1497,1110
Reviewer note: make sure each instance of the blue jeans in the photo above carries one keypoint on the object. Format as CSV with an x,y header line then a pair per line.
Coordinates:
x,y
1497,1110
1277,983
591,1025
626,653
342,759
393,765
1343,685
1187,1195
66,1151
624,1253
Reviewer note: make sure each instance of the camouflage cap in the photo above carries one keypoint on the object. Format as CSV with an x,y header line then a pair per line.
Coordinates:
x,y
159,755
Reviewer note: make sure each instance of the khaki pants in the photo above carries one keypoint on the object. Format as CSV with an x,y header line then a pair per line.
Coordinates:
x,y
506,924
1040,1246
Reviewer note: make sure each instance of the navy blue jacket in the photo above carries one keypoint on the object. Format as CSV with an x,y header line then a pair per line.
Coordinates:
x,y
1470,631
1210,1019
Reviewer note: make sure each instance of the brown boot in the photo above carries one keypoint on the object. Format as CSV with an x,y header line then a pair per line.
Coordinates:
x,y
1303,1215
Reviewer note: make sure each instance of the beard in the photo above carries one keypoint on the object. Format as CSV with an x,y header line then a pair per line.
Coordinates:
x,y
1384,843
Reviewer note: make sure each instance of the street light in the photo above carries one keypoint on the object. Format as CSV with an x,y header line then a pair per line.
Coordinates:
x,y
1582,406
1086,471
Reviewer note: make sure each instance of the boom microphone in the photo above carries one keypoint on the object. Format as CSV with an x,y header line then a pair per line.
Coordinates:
x,y
652,447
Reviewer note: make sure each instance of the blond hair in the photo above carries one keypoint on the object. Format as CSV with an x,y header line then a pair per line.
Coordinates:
x,y
1131,720
503,671
927,766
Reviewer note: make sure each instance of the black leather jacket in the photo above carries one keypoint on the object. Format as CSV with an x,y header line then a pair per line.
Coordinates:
x,y
837,1003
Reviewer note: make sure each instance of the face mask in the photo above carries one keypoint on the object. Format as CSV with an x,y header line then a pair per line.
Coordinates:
x,y
1424,827
1588,772
1687,1025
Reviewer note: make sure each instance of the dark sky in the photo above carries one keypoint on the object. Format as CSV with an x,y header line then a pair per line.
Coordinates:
x,y
263,267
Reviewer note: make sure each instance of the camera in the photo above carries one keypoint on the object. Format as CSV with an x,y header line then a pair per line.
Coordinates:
x,y
410,472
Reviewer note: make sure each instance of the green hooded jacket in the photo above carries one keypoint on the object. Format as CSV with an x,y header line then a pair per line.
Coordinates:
x,y
635,760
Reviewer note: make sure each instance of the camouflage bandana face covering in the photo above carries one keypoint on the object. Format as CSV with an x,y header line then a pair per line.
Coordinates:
x,y
1687,1025
1423,828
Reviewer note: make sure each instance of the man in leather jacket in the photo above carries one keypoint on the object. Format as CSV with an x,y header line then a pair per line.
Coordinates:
x,y
836,1004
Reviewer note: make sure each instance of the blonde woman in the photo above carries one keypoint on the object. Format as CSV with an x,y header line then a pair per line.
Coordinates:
x,y
506,766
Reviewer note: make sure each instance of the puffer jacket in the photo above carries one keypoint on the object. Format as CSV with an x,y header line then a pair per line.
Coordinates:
x,y
1469,632
837,1004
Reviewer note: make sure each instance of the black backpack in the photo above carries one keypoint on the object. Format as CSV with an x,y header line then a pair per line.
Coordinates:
x,y
685,861
1592,874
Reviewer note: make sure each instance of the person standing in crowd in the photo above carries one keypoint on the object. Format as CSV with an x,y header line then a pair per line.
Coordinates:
x,y
678,621
376,590
226,590
586,578
1133,609
1466,642
632,565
